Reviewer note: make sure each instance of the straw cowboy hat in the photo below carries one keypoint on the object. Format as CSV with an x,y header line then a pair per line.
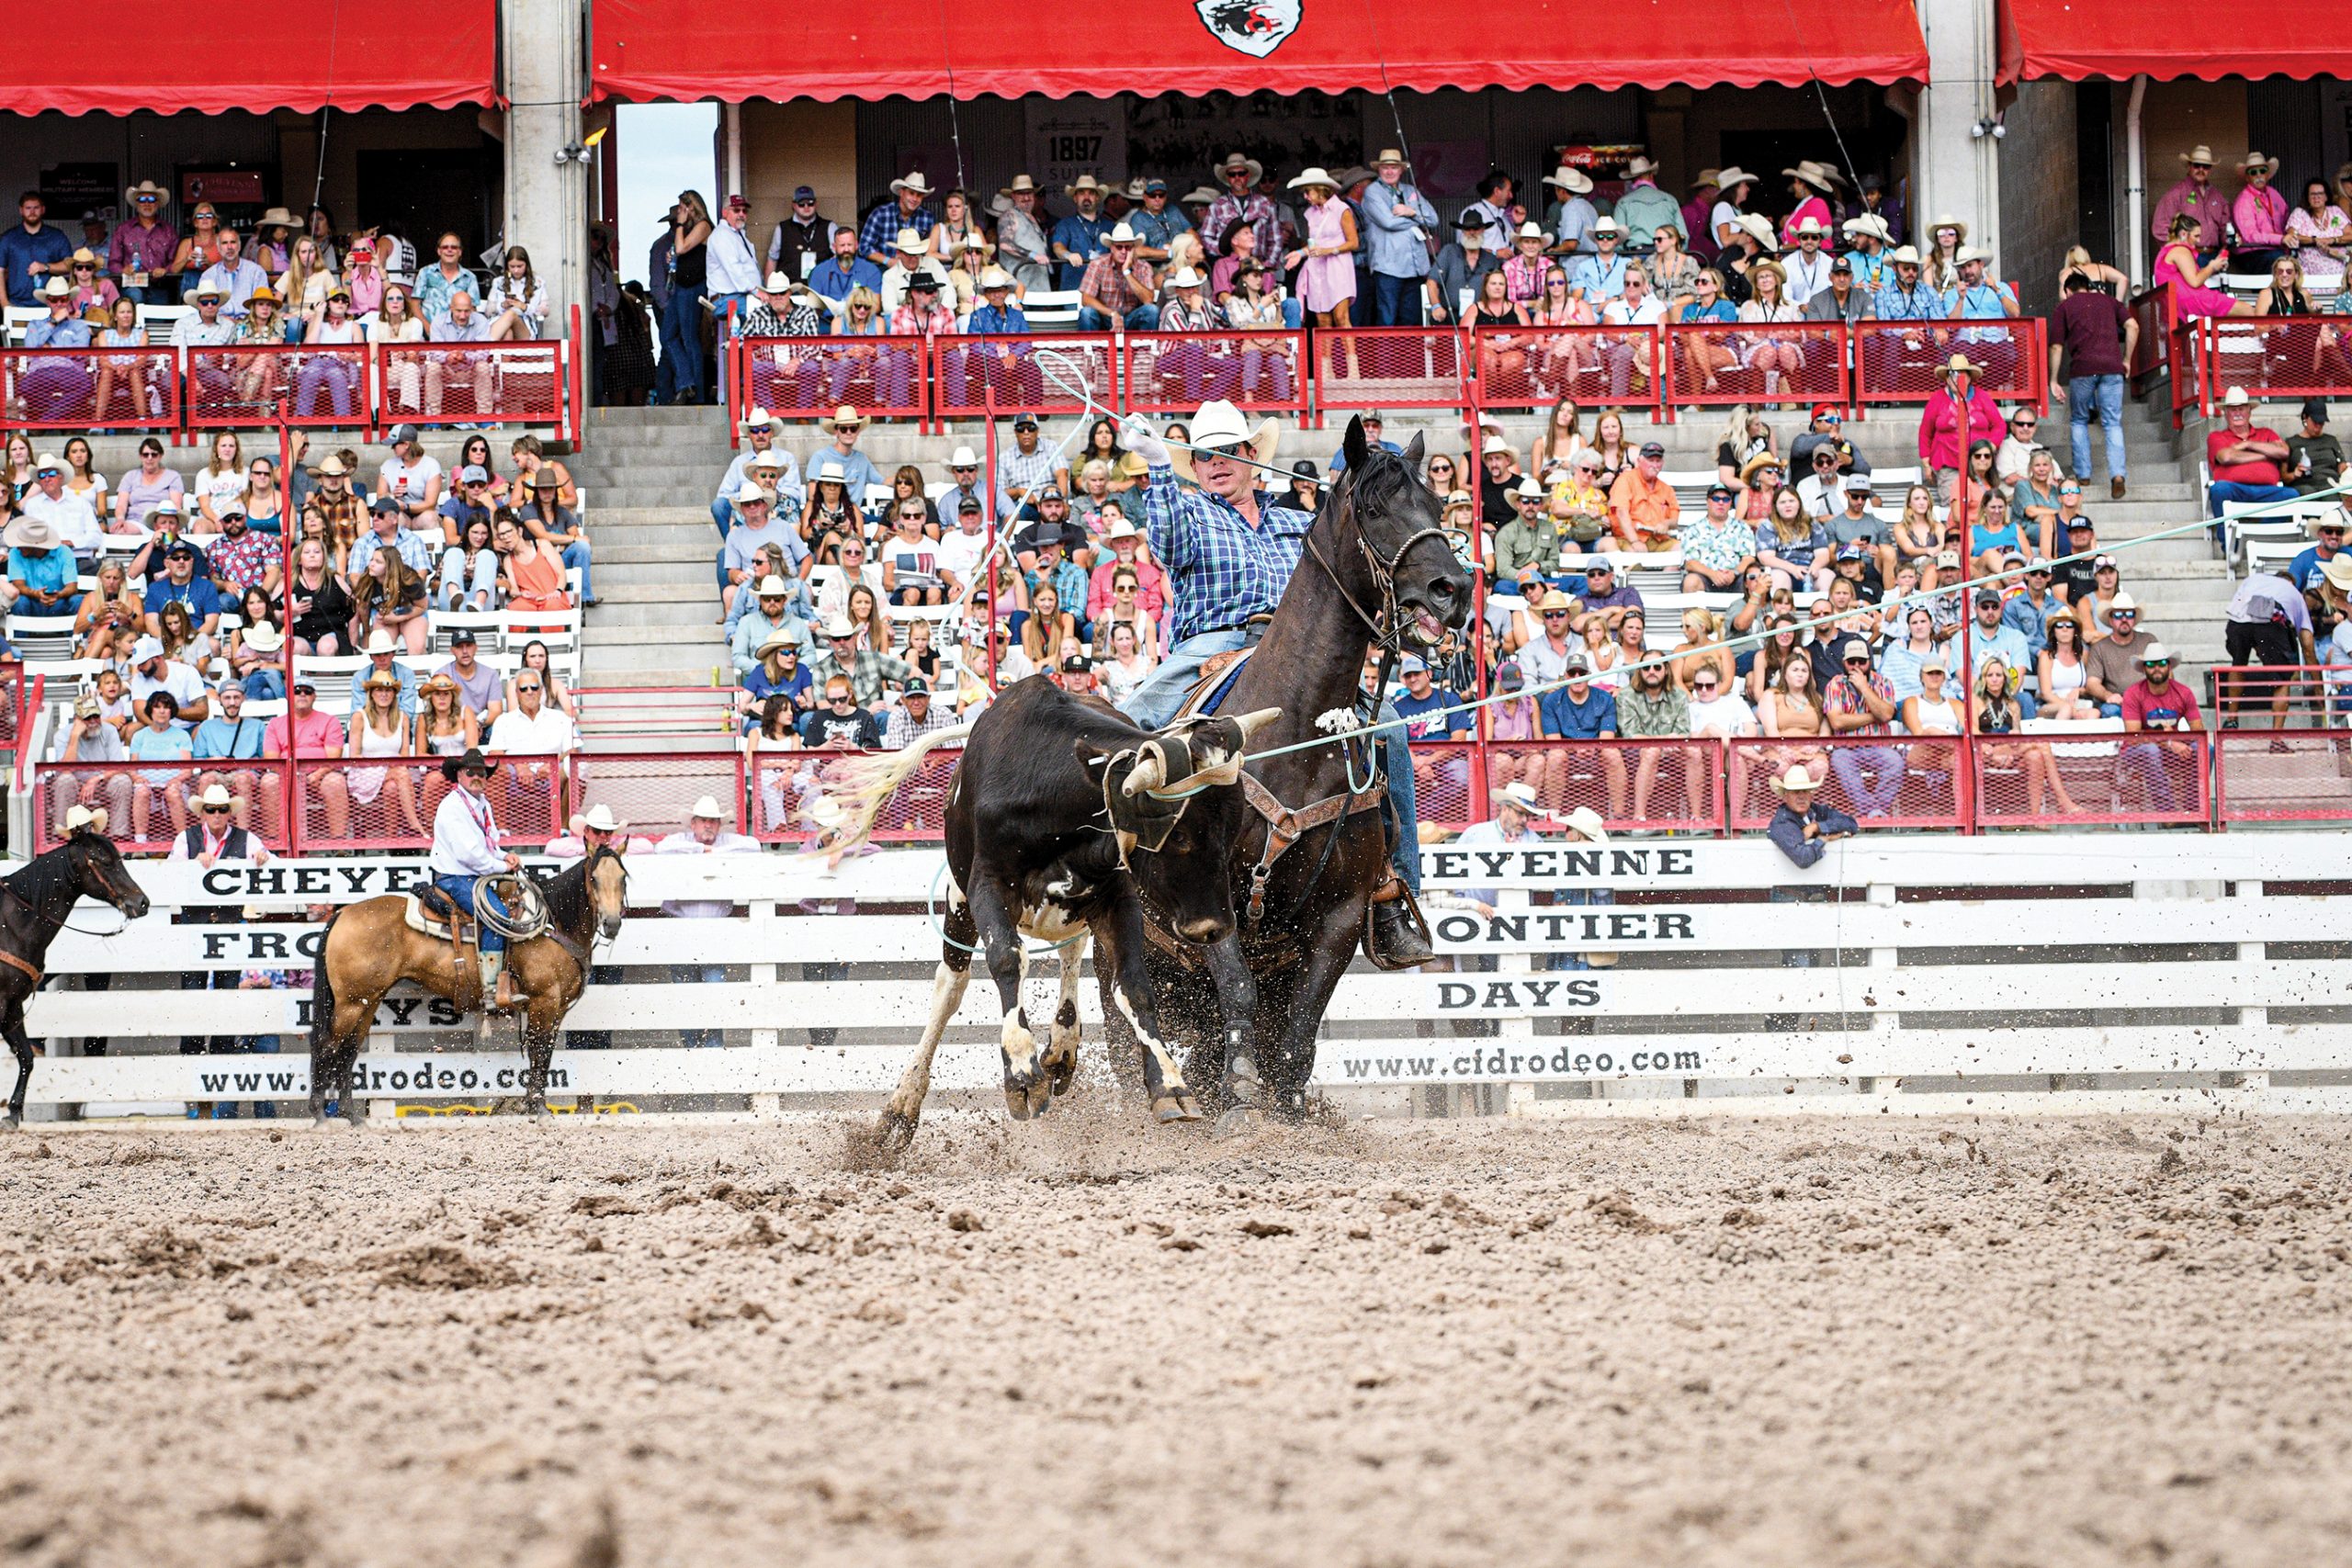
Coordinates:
x,y
2257,160
1020,183
2200,153
1758,463
1759,228
1200,194
278,217
1576,182
1810,172
1219,424
842,418
910,243
263,637
1314,176
1233,161
1959,363
1388,155
2337,518
1705,177
914,182
1516,793
1086,182
2338,573
1795,781
1734,175
31,534
146,188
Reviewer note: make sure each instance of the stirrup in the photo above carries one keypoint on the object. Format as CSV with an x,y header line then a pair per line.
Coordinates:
x,y
1416,928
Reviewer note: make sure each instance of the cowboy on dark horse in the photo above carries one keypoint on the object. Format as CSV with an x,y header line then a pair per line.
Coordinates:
x,y
1229,550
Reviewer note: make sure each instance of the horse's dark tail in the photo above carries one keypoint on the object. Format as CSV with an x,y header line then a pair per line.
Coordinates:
x,y
322,992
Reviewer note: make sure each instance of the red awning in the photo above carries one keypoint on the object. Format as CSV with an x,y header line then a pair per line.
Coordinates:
x,y
2077,39
175,56
719,48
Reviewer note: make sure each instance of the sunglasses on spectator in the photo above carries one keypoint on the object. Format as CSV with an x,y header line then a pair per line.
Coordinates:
x,y
804,201
1555,615
839,698
215,811
2156,663
2025,424
520,686
1702,685
1858,664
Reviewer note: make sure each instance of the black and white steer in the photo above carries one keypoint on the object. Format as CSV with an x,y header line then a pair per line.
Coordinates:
x,y
1065,819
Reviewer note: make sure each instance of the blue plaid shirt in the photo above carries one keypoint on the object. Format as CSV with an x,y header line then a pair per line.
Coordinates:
x,y
1027,472
1893,302
1220,570
883,226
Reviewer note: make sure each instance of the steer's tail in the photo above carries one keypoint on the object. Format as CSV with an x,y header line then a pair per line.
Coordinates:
x,y
861,786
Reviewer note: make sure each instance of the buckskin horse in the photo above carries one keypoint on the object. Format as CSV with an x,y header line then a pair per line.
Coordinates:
x,y
1377,570
370,947
34,903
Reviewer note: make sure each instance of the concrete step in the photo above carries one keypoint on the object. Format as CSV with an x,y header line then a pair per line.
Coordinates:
x,y
619,582
695,676
685,640
681,612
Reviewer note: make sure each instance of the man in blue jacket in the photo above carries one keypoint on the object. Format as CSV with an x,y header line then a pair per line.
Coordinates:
x,y
1399,223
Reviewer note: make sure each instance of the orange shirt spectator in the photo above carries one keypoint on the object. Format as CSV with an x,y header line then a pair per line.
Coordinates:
x,y
1642,508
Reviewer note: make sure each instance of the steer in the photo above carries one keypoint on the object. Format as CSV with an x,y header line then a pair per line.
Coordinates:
x,y
1064,819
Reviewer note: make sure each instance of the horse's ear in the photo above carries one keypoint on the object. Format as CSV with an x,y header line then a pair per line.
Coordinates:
x,y
1413,449
1355,447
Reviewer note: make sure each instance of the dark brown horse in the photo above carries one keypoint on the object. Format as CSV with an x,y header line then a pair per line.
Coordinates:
x,y
1378,570
33,906
370,947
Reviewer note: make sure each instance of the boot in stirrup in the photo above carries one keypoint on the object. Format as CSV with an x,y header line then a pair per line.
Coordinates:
x,y
497,985
1396,937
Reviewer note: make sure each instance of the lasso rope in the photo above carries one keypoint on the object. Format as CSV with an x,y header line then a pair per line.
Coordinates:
x,y
1076,387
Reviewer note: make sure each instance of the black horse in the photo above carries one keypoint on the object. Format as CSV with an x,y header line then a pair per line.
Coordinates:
x,y
1378,570
33,906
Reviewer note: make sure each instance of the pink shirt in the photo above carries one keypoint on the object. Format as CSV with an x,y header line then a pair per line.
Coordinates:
x,y
2260,213
320,735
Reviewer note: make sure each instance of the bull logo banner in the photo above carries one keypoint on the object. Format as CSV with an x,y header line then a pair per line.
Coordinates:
x,y
1256,28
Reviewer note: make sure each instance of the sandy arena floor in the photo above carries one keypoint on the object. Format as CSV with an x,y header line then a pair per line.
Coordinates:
x,y
1996,1343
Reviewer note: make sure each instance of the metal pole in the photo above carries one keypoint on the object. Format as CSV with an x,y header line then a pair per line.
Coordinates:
x,y
1482,723
290,789
988,509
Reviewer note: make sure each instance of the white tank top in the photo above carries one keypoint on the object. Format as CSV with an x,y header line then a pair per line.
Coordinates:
x,y
375,743
2064,677
1937,718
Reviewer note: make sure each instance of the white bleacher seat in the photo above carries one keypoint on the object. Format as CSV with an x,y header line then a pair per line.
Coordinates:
x,y
1691,485
42,639
489,628
1906,478
1050,307
159,321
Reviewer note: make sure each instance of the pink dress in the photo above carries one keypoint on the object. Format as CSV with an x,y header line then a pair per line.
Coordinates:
x,y
2188,298
1324,281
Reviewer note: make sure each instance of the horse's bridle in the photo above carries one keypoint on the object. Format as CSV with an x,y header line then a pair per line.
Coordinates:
x,y
1388,628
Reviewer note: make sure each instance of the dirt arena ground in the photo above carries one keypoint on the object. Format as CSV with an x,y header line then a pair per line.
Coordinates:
x,y
1077,1343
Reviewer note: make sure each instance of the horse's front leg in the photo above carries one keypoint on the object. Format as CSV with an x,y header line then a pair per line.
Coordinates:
x,y
541,1018
1241,1085
12,1024
1331,945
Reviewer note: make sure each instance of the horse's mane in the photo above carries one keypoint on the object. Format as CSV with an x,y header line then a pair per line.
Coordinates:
x,y
43,877
567,894
1380,479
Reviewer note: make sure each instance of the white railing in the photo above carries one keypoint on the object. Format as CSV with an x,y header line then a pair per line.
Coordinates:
x,y
1941,989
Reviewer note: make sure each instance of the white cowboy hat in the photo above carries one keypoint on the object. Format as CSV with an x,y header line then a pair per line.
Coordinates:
x,y
843,416
1241,161
1199,194
1971,254
1759,228
1532,230
839,626
1812,225
80,817
824,811
776,283
1516,793
214,794
1726,178
1184,278
2235,397
1903,255
910,243
1576,182
995,278
754,495
278,217
1585,823
2336,517
1314,175
1604,224
963,457
1946,220
2200,153
1020,183
1795,780
1810,172
1120,529
1085,181
2338,573
758,419
379,641
770,461
2154,653
1219,424
31,534
57,289
772,587
1121,234
921,186
598,817
707,806
146,188
1869,224
263,637
1641,164
828,467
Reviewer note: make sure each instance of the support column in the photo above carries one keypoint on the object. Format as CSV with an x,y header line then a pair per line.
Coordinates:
x,y
547,202
1953,171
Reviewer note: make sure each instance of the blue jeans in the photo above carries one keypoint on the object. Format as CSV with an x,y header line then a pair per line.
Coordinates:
x,y
709,974
265,685
2108,392
1849,763
1577,899
722,512
681,367
1157,700
1395,301
2225,493
575,557
468,891
1142,318
723,310
2146,761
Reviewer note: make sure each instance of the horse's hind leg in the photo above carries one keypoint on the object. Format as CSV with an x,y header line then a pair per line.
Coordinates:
x,y
20,1044
897,1128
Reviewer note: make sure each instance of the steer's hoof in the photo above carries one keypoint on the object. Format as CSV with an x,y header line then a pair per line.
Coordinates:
x,y
1175,1105
1033,1099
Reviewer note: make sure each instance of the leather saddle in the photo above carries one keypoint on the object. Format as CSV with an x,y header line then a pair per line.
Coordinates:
x,y
1218,674
434,913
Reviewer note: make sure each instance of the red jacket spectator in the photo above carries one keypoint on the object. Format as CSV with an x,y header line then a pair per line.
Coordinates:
x,y
1945,437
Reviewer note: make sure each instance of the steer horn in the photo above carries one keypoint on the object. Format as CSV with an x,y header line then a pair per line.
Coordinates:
x,y
1251,723
1150,771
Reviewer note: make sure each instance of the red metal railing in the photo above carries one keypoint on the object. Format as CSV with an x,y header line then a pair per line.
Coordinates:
x,y
244,386
2292,775
1902,362
1535,366
786,785
2090,780
147,802
75,388
1397,367
1176,372
2244,692
521,382
648,715
1750,361
1632,783
972,375
2275,358
1883,781
654,793
884,378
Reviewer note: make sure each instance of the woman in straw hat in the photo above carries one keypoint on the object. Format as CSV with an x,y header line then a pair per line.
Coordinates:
x,y
1772,354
